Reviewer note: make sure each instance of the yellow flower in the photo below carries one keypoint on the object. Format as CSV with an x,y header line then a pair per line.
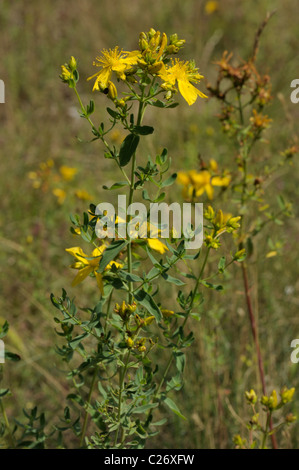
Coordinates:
x,y
183,73
60,194
67,172
114,60
259,120
89,264
66,74
154,243
251,397
287,394
197,182
167,313
211,7
82,194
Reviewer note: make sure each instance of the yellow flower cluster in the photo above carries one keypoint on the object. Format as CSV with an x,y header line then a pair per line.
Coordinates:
x,y
48,177
271,402
196,183
152,57
221,223
125,310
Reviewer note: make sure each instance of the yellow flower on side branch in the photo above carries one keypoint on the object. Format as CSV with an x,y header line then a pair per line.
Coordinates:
x,y
184,73
114,60
89,264
197,183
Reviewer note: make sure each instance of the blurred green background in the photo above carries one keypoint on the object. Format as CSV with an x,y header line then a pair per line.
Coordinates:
x,y
39,124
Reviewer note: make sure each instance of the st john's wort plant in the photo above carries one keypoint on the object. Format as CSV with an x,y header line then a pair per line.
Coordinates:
x,y
117,385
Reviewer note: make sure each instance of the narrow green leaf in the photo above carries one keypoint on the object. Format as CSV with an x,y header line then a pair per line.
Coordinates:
x,y
170,403
117,185
75,341
143,130
144,408
211,286
169,181
148,302
111,252
128,148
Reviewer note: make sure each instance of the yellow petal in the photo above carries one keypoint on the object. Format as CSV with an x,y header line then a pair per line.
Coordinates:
x,y
82,274
271,254
78,253
99,281
210,191
183,178
189,92
156,245
98,251
213,165
115,263
220,181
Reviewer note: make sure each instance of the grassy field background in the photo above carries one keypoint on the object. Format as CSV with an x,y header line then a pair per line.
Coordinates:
x,y
39,123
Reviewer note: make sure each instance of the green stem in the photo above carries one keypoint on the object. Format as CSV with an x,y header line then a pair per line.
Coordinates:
x,y
122,375
183,325
266,431
141,110
12,442
108,311
88,404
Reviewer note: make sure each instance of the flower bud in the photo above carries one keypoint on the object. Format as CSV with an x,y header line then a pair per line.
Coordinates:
x,y
112,91
73,64
129,342
251,397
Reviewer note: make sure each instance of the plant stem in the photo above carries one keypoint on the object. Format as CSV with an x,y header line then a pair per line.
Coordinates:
x,y
122,375
183,325
256,342
131,194
87,405
268,425
7,426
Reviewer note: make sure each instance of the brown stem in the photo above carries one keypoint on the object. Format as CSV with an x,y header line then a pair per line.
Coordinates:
x,y
256,341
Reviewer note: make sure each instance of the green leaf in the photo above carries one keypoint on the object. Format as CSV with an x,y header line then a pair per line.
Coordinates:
x,y
170,403
143,130
211,286
113,113
11,356
129,277
172,105
90,108
117,185
144,408
148,302
3,392
169,181
158,104
221,264
75,341
4,329
160,423
180,360
111,252
128,148
173,280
